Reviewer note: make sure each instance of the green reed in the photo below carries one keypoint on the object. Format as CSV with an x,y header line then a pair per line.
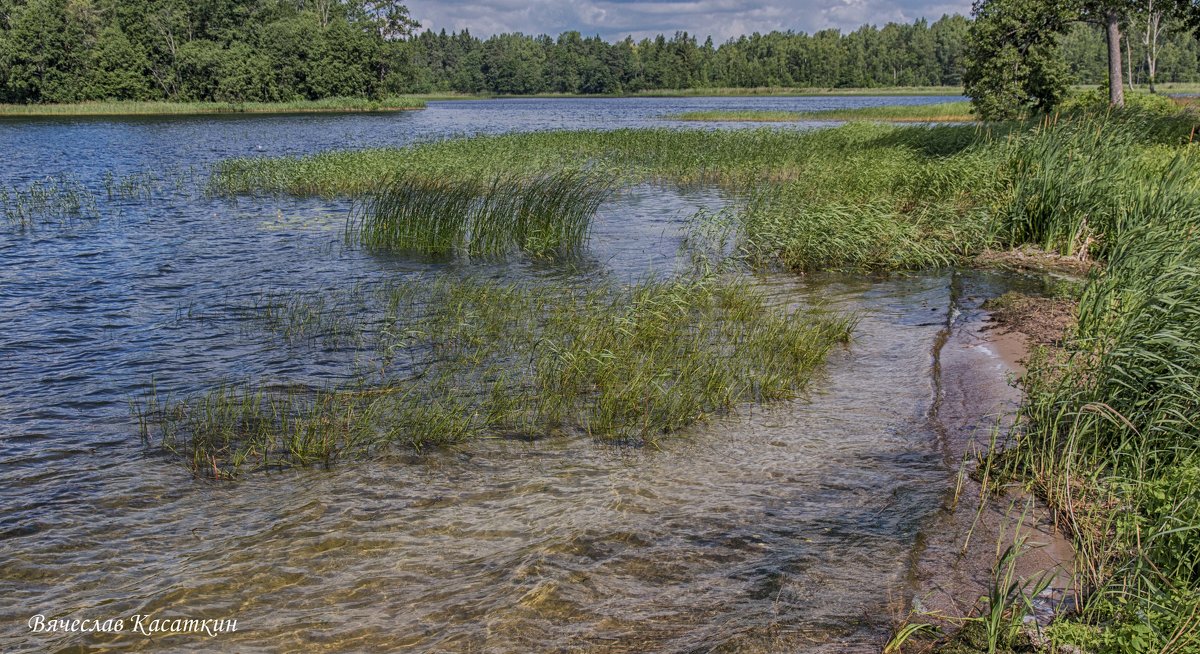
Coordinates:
x,y
1110,427
1109,431
475,359
57,200
541,215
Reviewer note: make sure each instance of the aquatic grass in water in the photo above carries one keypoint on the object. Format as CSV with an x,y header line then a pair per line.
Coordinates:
x,y
57,200
1109,431
486,360
734,159
540,215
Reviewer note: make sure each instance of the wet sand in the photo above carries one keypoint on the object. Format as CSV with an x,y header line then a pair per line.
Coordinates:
x,y
952,567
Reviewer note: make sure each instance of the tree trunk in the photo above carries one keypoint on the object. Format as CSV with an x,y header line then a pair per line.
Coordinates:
x,y
1116,88
1153,30
1129,64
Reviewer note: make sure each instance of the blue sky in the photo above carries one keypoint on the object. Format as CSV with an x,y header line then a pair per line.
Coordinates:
x,y
614,19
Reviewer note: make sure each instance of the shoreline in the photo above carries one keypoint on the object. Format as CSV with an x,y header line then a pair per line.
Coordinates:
x,y
952,566
184,109
417,101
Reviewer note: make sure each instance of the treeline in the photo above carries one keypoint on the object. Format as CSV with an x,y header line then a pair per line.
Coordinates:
x,y
278,50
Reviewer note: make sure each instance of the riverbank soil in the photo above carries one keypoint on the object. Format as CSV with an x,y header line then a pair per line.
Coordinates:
x,y
1029,258
1040,320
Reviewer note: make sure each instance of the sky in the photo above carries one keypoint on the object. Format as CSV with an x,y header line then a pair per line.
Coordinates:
x,y
722,19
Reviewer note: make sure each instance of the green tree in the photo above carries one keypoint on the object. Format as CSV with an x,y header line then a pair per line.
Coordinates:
x,y
1012,58
119,69
513,64
46,50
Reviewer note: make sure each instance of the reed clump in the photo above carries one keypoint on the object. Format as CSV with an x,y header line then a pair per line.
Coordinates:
x,y
542,215
468,359
56,200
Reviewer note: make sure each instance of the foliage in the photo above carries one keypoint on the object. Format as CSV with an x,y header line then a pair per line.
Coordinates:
x,y
237,51
1012,63
1016,62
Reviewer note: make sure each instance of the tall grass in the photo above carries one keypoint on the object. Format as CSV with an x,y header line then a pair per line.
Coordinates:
x,y
1110,428
1109,432
541,215
805,91
1078,184
475,360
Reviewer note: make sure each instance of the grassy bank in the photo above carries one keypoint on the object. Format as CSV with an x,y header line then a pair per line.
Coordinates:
x,y
134,108
1110,429
945,112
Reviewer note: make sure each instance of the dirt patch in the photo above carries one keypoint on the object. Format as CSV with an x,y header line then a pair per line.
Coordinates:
x,y
1044,320
1032,259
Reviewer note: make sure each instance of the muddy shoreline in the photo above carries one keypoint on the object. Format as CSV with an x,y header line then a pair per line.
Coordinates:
x,y
975,367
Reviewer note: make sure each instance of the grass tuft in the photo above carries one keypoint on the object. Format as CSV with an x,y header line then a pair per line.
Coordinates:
x,y
542,215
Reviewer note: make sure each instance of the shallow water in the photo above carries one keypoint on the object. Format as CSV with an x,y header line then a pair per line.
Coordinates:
x,y
790,528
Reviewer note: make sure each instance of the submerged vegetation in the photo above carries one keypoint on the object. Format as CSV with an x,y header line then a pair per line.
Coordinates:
x,y
59,200
474,359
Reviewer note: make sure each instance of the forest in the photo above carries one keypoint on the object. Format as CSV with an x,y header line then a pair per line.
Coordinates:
x,y
62,51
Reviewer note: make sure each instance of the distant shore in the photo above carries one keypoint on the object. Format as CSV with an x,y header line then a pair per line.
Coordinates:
x,y
164,108
943,112
415,101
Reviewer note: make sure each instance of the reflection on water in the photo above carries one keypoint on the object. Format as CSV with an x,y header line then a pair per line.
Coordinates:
x,y
789,528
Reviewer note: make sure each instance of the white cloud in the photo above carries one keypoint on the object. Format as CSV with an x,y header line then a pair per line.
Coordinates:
x,y
614,19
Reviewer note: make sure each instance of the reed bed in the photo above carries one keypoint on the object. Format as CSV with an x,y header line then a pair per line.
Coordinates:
x,y
734,159
804,91
152,108
542,215
795,184
738,115
1110,427
474,359
942,112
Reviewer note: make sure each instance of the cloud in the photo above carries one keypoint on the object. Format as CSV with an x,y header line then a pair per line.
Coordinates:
x,y
722,19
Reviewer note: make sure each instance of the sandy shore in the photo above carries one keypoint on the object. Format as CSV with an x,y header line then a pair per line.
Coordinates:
x,y
952,569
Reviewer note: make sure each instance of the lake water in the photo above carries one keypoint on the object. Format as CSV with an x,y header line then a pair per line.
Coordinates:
x,y
789,528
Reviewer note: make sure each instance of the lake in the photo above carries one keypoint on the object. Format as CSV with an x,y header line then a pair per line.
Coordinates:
x,y
793,527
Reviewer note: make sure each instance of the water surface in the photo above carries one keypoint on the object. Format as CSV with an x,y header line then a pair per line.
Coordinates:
x,y
787,528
